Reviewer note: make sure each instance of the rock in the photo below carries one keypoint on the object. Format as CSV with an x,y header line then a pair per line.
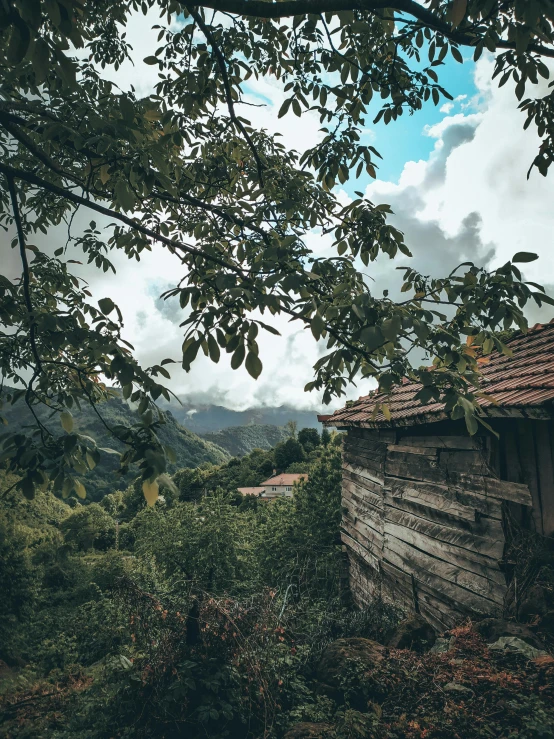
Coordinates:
x,y
491,629
308,730
413,633
346,665
442,645
457,688
514,645
533,604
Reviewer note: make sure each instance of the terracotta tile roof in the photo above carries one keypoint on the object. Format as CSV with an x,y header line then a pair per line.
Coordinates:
x,y
288,478
251,491
524,380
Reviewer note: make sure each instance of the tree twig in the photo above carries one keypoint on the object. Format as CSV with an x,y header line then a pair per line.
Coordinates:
x,y
228,92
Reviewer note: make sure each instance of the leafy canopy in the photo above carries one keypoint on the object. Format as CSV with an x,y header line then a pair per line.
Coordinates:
x,y
183,169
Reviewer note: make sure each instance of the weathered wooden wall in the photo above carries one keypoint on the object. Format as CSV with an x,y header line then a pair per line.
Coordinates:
x,y
422,520
526,455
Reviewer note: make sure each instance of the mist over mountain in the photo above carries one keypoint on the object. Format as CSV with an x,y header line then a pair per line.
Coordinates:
x,y
204,418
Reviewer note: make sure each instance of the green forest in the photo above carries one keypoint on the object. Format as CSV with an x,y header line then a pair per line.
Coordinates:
x,y
213,615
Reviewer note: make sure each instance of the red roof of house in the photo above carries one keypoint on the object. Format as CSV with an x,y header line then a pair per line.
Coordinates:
x,y
287,478
251,491
524,380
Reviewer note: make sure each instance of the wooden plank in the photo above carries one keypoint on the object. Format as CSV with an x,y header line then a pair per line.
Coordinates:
x,y
463,558
362,505
414,467
482,505
474,591
363,553
469,462
371,445
372,529
368,538
375,466
387,436
362,472
373,487
447,610
375,459
487,546
489,486
443,442
546,475
439,497
425,451
440,612
364,489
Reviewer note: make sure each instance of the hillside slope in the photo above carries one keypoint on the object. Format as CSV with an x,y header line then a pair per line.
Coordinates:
x,y
190,449
241,440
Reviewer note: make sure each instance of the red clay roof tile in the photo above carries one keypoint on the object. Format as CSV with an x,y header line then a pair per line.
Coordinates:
x,y
526,379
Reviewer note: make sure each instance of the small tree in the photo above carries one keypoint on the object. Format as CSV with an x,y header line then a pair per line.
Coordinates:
x,y
288,452
89,527
309,438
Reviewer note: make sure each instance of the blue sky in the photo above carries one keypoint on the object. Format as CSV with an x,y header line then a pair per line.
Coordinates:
x,y
405,140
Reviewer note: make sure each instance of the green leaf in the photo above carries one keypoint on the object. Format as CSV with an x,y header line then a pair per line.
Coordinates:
x,y
317,325
80,489
66,419
151,492
127,109
125,198
525,256
213,349
238,356
457,12
253,365
106,305
471,423
40,60
372,337
19,43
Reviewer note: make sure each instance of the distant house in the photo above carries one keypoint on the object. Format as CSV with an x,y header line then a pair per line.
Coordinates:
x,y
280,486
255,492
429,511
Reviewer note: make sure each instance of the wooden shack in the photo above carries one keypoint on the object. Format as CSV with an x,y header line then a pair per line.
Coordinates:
x,y
427,508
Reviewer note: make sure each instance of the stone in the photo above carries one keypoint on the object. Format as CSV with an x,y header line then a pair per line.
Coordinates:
x,y
308,730
443,645
492,629
457,688
514,645
347,664
413,633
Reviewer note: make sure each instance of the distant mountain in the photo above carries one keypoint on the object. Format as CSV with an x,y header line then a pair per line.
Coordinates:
x,y
190,449
241,440
203,418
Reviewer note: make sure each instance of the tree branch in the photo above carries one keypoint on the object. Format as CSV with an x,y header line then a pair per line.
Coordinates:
x,y
227,87
288,8
32,179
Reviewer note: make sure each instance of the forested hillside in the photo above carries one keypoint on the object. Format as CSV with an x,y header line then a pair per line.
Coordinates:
x,y
240,440
190,449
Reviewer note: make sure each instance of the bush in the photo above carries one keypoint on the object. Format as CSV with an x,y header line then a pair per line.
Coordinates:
x,y
89,527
